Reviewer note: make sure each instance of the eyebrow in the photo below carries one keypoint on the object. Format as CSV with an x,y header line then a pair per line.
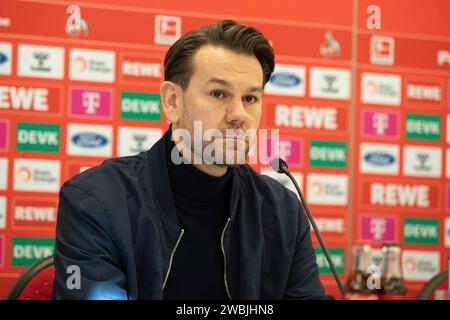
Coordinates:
x,y
228,85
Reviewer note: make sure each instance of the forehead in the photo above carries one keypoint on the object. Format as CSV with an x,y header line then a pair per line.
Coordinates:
x,y
211,61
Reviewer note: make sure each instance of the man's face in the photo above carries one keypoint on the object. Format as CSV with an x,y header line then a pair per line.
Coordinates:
x,y
224,93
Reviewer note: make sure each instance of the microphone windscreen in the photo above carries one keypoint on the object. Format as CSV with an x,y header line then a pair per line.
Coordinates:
x,y
275,164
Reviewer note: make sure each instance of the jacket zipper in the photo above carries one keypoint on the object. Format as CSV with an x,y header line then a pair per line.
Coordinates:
x,y
225,261
171,258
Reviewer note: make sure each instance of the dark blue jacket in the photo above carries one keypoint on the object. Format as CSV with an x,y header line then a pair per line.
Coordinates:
x,y
117,224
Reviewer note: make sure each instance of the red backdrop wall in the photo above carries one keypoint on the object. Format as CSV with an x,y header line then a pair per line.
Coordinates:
x,y
363,117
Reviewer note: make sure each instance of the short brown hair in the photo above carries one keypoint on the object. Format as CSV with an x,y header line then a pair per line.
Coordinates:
x,y
227,34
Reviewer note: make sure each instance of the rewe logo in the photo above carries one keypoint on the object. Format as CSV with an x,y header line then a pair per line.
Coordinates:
x,y
330,226
378,228
90,102
140,69
34,213
380,124
30,99
422,92
307,117
287,80
143,69
400,195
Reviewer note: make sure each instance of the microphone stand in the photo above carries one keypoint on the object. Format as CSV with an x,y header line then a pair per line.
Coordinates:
x,y
281,166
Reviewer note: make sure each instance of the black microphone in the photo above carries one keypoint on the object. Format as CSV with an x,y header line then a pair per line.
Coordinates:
x,y
281,166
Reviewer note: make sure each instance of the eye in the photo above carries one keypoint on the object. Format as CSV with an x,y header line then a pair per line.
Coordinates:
x,y
217,94
250,99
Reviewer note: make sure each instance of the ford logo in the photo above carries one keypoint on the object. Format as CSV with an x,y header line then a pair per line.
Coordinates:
x,y
284,79
89,140
3,58
379,158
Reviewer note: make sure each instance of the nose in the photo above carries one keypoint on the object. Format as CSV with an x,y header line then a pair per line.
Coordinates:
x,y
236,113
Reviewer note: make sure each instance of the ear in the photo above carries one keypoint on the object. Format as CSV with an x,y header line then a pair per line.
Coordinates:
x,y
171,100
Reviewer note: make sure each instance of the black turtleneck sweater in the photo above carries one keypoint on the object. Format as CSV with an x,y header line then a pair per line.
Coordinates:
x,y
202,203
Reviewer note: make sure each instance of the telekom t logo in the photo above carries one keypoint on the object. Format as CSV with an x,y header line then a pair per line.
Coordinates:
x,y
380,122
91,101
378,228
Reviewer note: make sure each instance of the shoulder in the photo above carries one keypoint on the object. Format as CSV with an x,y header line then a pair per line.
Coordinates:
x,y
110,175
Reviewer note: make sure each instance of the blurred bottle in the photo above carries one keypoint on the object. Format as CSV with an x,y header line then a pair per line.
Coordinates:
x,y
360,262
392,281
357,283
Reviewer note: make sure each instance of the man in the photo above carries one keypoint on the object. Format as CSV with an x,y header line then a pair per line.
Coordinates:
x,y
177,222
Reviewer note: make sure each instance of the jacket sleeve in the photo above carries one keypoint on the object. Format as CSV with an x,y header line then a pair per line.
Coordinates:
x,y
87,264
304,282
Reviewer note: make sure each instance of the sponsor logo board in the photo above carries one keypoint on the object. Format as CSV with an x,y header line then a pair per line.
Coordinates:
x,y
92,65
40,61
287,80
327,189
329,83
377,158
133,140
89,140
383,89
36,175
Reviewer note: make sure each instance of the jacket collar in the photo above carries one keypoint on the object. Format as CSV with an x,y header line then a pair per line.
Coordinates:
x,y
159,177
